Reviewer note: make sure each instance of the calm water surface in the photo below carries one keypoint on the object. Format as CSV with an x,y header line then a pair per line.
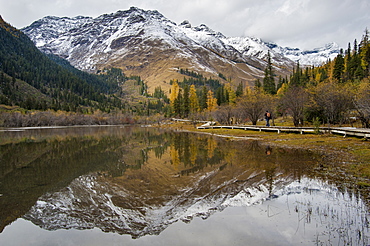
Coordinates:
x,y
145,186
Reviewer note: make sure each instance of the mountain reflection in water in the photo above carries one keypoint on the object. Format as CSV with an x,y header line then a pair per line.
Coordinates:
x,y
138,181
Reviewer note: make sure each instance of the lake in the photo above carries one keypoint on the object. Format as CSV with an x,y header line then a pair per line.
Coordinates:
x,y
122,185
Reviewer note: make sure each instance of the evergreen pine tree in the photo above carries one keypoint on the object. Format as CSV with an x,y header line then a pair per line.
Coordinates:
x,y
257,84
349,69
356,63
221,95
239,90
203,98
296,77
268,81
280,83
193,100
178,104
339,67
186,101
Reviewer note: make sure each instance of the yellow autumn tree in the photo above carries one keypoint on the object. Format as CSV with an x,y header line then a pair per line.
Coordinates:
x,y
330,68
232,94
318,77
248,90
174,92
282,89
211,101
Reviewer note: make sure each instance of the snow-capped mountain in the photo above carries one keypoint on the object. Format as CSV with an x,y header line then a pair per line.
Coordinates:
x,y
255,47
148,44
315,57
50,32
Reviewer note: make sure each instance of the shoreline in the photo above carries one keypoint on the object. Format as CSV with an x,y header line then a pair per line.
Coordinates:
x,y
23,128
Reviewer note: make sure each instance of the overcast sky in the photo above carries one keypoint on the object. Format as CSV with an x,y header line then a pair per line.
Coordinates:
x,y
304,24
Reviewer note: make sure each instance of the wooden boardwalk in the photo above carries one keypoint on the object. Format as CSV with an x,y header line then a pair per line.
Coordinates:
x,y
344,131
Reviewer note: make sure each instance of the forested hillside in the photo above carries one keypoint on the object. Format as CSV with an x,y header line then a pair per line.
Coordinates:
x,y
338,92
30,79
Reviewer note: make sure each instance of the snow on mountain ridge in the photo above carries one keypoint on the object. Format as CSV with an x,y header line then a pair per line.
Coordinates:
x,y
49,23
72,38
146,43
315,57
251,46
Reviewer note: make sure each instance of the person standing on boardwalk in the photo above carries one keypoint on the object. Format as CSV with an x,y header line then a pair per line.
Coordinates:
x,y
267,117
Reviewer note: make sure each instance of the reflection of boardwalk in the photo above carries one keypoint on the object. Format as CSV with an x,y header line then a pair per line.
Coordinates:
x,y
345,131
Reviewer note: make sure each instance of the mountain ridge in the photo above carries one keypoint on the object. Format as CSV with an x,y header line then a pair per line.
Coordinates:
x,y
146,43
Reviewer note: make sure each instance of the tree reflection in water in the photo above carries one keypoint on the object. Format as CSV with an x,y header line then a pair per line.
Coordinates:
x,y
138,181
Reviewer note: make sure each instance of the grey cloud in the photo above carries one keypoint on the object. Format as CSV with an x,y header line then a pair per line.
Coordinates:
x,y
296,23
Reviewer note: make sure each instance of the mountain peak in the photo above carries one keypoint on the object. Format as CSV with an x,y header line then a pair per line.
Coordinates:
x,y
331,46
134,11
146,43
185,24
202,28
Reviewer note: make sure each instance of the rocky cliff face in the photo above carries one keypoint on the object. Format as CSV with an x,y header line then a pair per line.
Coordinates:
x,y
148,44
